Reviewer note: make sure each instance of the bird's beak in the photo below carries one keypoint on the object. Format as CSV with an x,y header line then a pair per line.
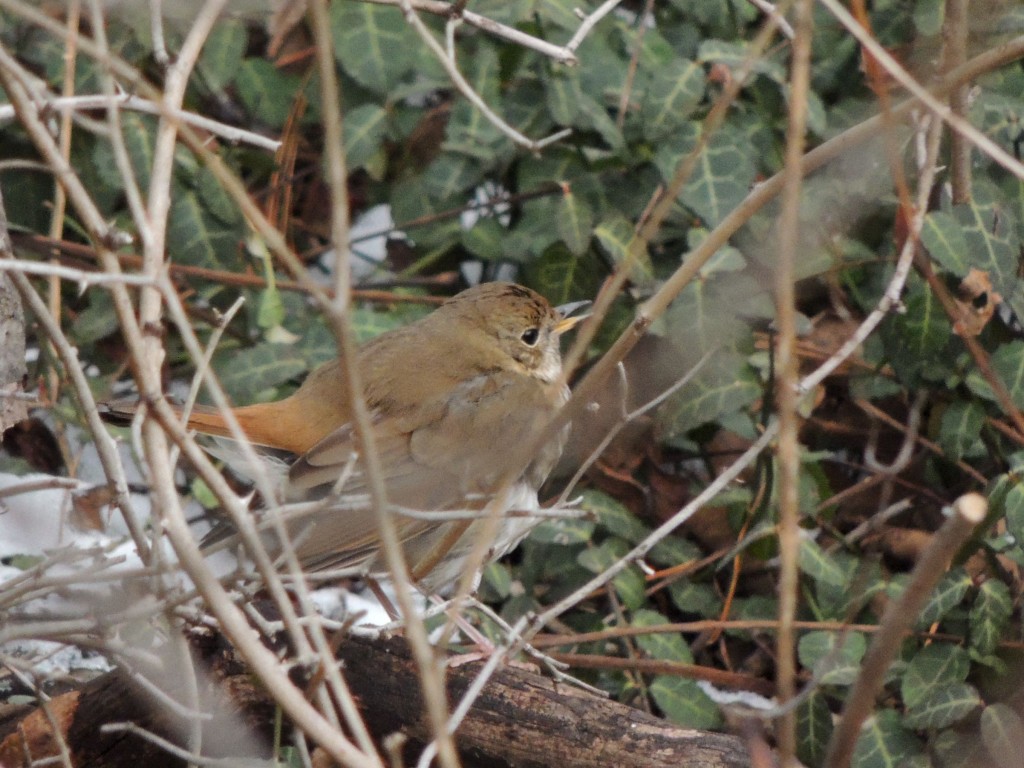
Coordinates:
x,y
565,310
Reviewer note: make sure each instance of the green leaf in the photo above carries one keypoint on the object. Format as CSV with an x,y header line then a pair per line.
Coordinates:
x,y
735,55
684,703
947,594
695,598
960,433
563,95
613,515
364,129
469,131
667,646
97,321
223,52
564,533
918,337
1002,733
989,616
721,179
673,550
725,385
575,223
629,584
884,743
943,237
195,237
820,652
1008,364
1013,504
670,96
819,565
271,309
413,199
616,236
594,117
450,176
813,729
485,239
259,368
373,44
138,132
201,492
943,707
933,667
561,276
266,91
987,241
498,578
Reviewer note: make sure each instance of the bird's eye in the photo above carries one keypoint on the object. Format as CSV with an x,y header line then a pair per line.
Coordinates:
x,y
530,336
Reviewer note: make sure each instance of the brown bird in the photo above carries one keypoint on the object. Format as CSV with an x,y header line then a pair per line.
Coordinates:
x,y
451,396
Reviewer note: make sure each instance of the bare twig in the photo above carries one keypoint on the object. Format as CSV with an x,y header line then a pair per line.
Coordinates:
x,y
955,28
444,9
967,512
67,105
775,15
588,23
786,381
447,61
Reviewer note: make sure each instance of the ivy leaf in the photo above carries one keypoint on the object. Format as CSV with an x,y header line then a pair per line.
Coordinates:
x,y
989,616
266,91
943,236
629,584
1002,733
960,433
563,533
721,179
373,44
684,703
987,240
259,368
819,565
884,743
613,515
933,667
660,645
575,223
943,707
670,96
819,652
364,132
947,594
223,52
813,729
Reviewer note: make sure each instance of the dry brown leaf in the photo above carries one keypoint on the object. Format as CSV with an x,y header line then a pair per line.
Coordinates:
x,y
976,302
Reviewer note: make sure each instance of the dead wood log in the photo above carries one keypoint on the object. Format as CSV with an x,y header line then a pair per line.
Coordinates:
x,y
521,718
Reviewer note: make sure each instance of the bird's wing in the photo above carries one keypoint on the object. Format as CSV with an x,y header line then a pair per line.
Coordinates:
x,y
449,458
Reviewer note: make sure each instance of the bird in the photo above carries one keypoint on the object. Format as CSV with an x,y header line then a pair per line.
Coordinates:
x,y
451,396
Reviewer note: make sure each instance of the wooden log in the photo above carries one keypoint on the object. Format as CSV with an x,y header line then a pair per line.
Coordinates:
x,y
521,719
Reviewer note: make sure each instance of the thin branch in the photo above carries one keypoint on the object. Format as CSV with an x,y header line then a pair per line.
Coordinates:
x,y
955,28
787,377
444,9
772,12
82,277
589,21
66,105
967,513
463,86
